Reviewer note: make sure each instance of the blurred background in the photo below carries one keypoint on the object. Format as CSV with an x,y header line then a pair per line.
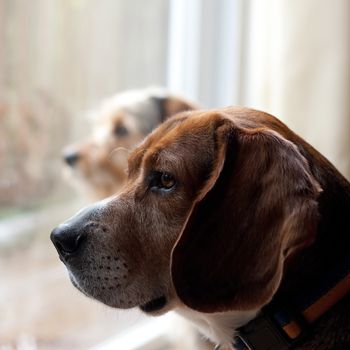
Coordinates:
x,y
59,59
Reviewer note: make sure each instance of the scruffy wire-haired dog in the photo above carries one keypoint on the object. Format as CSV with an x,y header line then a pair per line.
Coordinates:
x,y
230,219
97,165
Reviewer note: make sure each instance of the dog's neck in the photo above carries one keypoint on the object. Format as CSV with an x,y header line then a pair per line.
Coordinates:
x,y
328,256
310,265
332,239
220,328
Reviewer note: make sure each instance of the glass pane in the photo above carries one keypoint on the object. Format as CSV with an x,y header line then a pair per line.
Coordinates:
x,y
58,59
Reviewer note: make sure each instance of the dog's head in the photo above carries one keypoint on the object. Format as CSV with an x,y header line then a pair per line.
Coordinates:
x,y
214,204
98,164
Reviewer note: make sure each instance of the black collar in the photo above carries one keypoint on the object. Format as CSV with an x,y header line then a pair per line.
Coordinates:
x,y
283,324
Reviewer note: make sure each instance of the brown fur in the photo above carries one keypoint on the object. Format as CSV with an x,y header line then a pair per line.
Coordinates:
x,y
256,214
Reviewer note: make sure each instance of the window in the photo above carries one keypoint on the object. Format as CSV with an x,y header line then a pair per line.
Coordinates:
x,y
60,59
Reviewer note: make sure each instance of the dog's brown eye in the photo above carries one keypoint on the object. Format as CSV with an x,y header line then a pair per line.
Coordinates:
x,y
160,181
167,181
120,130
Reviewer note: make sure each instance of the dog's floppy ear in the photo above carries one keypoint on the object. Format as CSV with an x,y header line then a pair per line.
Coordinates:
x,y
256,207
171,105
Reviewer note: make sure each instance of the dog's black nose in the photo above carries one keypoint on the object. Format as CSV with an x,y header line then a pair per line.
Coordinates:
x,y
66,239
71,158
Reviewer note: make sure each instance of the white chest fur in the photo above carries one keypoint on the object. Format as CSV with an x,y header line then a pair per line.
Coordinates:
x,y
218,327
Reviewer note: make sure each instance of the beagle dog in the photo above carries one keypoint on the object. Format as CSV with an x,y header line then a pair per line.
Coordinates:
x,y
232,220
97,165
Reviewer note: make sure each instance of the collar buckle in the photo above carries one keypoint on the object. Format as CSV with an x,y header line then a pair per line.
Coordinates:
x,y
262,333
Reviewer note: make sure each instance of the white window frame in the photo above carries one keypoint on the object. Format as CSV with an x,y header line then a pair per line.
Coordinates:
x,y
205,52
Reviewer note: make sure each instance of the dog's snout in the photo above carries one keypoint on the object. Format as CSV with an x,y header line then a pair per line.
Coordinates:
x,y
71,158
66,239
